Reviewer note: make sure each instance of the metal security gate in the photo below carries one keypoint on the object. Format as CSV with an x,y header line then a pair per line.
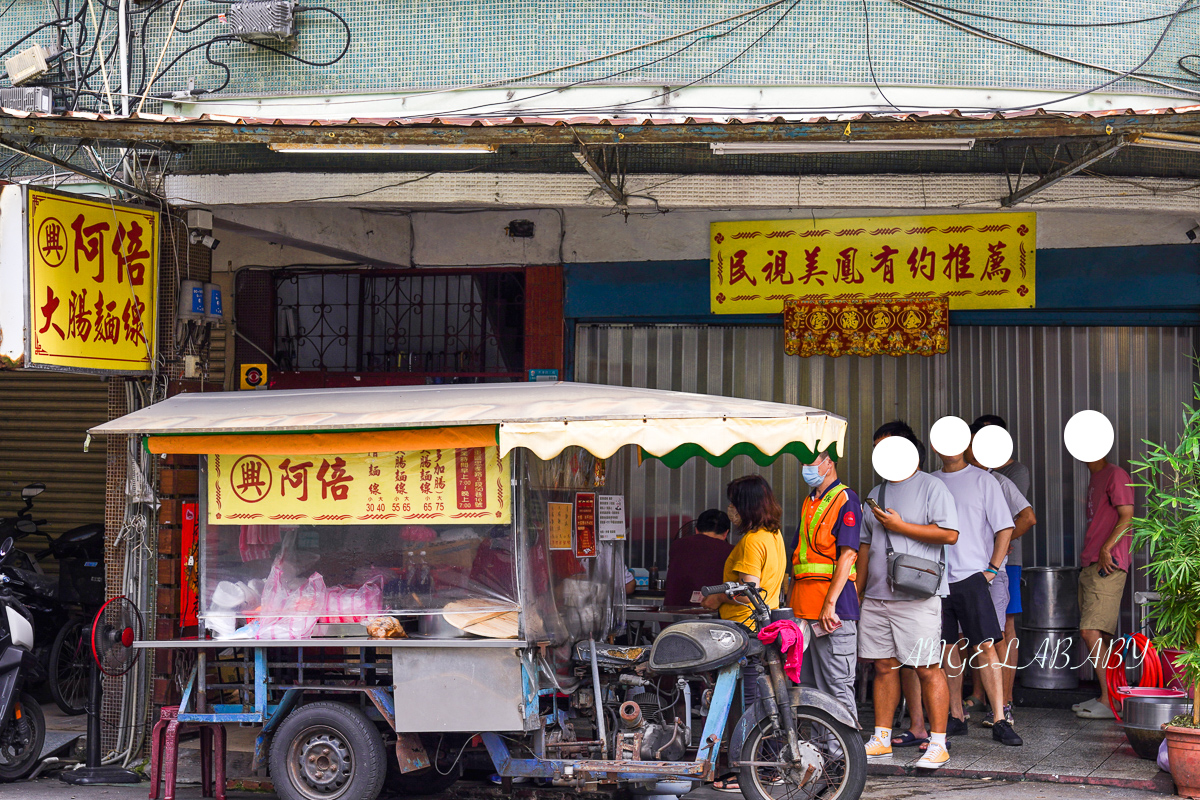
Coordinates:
x,y
45,419
1035,377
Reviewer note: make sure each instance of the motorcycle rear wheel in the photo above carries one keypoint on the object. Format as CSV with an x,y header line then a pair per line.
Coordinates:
x,y
70,662
21,739
837,748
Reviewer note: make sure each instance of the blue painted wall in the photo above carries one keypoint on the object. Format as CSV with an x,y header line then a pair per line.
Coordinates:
x,y
1157,285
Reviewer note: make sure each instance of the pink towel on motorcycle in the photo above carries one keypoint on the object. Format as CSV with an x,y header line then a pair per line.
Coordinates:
x,y
791,642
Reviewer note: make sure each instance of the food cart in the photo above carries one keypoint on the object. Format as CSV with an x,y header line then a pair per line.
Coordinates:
x,y
481,523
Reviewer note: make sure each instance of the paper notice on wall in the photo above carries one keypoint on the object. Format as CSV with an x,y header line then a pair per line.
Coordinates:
x,y
560,519
610,517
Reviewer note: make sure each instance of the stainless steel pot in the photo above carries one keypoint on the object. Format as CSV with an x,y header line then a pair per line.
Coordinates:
x,y
1048,659
1050,598
1153,712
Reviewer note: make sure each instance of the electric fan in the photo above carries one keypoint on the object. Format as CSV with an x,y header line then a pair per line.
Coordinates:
x,y
118,624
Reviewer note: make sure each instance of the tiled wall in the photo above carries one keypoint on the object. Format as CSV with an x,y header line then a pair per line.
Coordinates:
x,y
415,44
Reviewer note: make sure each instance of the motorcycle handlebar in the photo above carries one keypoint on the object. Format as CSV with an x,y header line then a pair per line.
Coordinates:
x,y
720,588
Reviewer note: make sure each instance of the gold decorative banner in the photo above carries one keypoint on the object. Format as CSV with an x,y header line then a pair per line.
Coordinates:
x,y
865,328
93,283
977,260
426,487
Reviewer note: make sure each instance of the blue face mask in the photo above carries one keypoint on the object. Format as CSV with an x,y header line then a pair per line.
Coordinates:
x,y
812,475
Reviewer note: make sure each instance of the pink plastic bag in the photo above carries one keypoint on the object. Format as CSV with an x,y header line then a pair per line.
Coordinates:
x,y
308,605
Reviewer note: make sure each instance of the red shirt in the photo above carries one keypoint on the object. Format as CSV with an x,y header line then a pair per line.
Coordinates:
x,y
696,560
1107,489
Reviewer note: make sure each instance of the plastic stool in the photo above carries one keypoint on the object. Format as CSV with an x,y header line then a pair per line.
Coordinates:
x,y
164,754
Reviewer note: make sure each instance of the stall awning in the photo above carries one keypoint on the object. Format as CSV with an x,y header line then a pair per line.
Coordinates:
x,y
543,417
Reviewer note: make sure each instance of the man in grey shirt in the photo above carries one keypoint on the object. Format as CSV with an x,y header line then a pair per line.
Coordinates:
x,y
1016,483
916,516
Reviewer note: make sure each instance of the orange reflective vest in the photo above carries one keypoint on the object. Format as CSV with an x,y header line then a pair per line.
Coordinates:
x,y
816,546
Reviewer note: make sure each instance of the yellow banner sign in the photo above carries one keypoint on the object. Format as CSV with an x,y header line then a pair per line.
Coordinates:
x,y
93,283
418,487
977,260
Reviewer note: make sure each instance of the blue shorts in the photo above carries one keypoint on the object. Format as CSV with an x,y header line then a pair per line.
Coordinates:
x,y
1014,590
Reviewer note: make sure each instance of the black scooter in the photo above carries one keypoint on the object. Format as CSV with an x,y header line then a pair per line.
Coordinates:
x,y
63,606
22,724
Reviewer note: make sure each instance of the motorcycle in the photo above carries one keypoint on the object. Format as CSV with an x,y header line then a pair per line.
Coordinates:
x,y
61,607
794,742
22,724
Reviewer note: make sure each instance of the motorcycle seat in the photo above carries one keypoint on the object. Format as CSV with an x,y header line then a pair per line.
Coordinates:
x,y
89,537
42,585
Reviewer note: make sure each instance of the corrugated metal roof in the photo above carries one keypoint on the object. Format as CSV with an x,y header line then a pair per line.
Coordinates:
x,y
591,120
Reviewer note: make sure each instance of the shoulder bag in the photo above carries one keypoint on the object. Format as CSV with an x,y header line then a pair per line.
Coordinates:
x,y
913,575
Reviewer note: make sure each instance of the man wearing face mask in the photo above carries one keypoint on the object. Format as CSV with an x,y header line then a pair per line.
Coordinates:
x,y
823,576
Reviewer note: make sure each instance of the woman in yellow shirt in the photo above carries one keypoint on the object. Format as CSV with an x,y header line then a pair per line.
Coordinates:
x,y
759,557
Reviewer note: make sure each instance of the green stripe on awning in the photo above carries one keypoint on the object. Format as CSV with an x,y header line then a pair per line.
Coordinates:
x,y
680,455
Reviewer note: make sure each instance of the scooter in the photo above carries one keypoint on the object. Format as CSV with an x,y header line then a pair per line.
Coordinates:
x,y
61,607
22,724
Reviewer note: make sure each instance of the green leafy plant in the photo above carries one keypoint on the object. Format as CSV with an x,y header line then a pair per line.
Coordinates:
x,y
1170,531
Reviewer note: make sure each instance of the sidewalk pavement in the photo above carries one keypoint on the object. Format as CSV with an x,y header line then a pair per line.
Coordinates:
x,y
1059,748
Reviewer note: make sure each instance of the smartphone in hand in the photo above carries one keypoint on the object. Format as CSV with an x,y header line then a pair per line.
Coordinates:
x,y
874,506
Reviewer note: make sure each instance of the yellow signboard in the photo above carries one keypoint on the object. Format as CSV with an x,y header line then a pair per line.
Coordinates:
x,y
978,260
93,283
418,487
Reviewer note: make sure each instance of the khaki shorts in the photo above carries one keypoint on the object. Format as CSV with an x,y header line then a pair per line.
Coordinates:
x,y
909,631
1100,599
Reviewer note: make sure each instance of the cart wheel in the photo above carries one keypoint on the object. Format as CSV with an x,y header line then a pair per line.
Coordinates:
x,y
324,751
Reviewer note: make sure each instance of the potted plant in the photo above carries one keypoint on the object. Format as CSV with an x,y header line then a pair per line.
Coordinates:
x,y
1170,531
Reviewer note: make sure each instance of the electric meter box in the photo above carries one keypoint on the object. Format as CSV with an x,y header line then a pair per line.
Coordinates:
x,y
262,20
191,301
212,303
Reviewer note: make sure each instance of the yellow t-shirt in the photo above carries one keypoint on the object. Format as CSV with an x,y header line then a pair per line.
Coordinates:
x,y
758,552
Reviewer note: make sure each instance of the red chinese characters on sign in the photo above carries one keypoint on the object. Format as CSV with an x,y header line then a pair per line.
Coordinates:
x,y
470,470
585,524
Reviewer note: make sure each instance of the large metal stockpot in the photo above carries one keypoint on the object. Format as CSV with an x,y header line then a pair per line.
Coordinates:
x,y
1050,598
1048,659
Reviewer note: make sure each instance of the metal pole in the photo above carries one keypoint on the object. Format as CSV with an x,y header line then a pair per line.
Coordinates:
x,y
123,48
599,702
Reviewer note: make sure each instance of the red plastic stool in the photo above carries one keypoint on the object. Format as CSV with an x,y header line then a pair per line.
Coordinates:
x,y
164,754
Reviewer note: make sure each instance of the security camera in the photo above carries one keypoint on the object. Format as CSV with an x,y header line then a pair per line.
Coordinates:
x,y
1191,234
206,239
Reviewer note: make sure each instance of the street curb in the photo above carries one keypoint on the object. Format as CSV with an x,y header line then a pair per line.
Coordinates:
x,y
1161,782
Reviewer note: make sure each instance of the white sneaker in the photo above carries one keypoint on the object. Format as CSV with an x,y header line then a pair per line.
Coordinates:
x,y
935,756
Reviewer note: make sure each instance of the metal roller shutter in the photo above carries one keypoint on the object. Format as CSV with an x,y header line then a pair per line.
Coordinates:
x,y
45,417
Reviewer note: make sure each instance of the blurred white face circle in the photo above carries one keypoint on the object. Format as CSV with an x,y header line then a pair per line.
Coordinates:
x,y
895,458
992,446
950,436
1089,436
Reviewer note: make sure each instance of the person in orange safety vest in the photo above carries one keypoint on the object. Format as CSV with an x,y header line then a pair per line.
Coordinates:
x,y
823,575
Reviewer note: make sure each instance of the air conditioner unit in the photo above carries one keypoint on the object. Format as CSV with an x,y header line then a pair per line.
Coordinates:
x,y
258,20
28,64
28,98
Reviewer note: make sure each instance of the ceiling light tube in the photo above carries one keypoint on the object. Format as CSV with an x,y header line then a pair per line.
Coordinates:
x,y
383,149
881,146
1169,141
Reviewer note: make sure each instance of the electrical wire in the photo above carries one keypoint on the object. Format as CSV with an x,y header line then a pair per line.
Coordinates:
x,y
1038,23
557,89
870,60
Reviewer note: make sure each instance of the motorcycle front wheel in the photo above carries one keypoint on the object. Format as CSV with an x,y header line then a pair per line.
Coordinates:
x,y
21,739
832,763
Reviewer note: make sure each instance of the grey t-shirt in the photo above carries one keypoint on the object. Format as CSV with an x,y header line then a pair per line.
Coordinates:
x,y
1016,504
1019,474
981,513
921,500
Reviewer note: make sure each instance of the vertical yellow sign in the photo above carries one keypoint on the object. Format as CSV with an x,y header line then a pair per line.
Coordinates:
x,y
93,284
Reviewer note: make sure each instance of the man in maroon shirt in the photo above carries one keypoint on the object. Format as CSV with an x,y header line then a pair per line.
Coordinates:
x,y
1105,560
698,560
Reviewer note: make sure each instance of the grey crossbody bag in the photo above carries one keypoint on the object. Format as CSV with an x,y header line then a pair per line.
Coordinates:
x,y
914,575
